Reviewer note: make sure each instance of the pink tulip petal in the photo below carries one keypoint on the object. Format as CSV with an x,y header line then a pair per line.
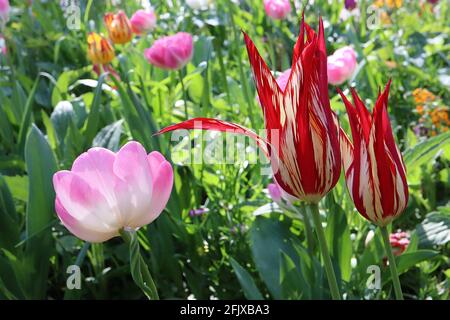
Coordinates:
x,y
162,187
134,196
84,203
78,229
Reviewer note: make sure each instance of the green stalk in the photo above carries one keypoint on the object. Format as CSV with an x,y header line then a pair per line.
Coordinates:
x,y
139,269
180,75
313,210
392,265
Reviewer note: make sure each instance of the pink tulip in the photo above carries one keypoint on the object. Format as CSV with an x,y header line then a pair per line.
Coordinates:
x,y
4,11
341,65
106,192
277,9
172,52
143,21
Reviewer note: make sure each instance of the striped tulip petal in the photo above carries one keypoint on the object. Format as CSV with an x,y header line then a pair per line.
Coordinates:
x,y
374,168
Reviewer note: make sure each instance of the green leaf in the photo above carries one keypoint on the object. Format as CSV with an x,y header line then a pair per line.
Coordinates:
x,y
18,185
434,230
268,237
26,118
109,136
41,166
249,287
94,113
338,237
9,224
408,260
424,151
291,280
138,267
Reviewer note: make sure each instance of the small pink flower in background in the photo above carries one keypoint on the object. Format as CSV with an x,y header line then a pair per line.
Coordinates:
x,y
277,9
106,192
172,52
274,192
4,11
341,65
399,242
2,45
143,21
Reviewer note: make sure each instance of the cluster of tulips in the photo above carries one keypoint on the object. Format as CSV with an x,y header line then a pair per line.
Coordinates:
x,y
107,194
170,52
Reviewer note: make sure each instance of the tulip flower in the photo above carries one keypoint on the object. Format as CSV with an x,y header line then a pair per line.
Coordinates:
x,y
341,65
143,21
119,27
277,9
302,132
374,169
399,242
107,192
172,52
4,11
100,50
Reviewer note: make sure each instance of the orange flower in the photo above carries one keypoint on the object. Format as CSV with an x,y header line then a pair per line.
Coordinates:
x,y
388,3
100,50
119,27
422,96
420,109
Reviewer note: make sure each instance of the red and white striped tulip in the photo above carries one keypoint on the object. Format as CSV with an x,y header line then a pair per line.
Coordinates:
x,y
374,169
302,131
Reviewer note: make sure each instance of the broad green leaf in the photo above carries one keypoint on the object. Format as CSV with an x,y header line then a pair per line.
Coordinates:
x,y
41,166
9,224
434,230
291,281
94,112
424,151
268,237
26,118
109,136
249,287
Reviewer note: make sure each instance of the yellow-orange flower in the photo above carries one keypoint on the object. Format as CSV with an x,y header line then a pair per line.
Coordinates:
x,y
119,27
422,96
100,50
388,3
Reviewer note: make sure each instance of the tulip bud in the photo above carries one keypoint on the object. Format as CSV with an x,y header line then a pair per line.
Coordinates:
x,y
100,50
374,169
107,192
119,27
277,9
341,65
143,21
172,52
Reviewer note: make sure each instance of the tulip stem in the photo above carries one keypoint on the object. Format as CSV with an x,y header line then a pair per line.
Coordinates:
x,y
392,264
307,223
313,210
180,75
139,269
